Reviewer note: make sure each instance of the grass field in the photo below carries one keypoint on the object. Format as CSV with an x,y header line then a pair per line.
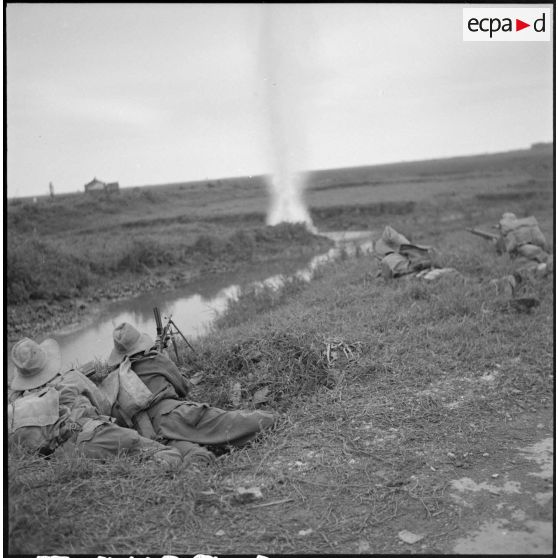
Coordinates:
x,y
71,245
422,384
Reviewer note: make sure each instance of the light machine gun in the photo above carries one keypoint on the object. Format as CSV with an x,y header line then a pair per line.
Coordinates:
x,y
167,333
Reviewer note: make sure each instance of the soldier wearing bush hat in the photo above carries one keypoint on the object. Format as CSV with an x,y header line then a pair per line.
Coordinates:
x,y
52,411
185,424
128,341
35,364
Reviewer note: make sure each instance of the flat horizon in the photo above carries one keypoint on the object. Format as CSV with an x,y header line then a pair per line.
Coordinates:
x,y
261,175
157,93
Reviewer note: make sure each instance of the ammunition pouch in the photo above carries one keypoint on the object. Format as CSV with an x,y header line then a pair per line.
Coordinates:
x,y
37,409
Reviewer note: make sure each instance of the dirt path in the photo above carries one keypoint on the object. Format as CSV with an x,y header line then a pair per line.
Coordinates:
x,y
351,484
506,503
497,498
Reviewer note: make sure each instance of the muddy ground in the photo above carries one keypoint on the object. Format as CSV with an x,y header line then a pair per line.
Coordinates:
x,y
495,498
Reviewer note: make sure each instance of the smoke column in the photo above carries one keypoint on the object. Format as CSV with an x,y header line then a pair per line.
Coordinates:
x,y
282,47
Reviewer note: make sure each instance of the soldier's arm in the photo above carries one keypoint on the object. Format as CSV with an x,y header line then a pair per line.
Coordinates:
x,y
75,387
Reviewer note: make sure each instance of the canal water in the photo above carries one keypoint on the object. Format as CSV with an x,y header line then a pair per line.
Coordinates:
x,y
193,308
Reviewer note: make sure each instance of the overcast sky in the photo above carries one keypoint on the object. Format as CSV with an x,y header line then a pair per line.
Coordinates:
x,y
157,93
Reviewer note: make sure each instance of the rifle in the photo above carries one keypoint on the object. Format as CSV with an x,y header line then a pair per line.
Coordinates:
x,y
483,234
90,369
496,239
167,333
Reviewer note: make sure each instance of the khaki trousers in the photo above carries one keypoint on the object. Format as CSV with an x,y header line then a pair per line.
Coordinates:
x,y
99,440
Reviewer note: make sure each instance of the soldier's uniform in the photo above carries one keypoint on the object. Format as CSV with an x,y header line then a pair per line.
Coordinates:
x,y
399,257
54,412
187,425
522,238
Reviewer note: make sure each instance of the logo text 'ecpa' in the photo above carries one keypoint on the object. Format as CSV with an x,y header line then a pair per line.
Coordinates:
x,y
507,24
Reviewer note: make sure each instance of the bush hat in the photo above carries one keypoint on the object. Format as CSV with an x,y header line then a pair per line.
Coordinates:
x,y
35,364
127,342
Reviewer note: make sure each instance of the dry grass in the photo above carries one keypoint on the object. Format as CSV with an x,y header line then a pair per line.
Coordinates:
x,y
81,505
372,452
365,445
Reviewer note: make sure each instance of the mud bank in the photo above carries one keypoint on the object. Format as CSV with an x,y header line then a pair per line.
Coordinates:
x,y
38,317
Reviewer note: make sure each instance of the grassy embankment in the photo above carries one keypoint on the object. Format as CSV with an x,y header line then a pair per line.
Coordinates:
x,y
86,248
72,250
367,440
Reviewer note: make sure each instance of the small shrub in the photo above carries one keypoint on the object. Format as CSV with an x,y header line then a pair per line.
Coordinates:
x,y
290,364
243,239
144,252
284,231
210,245
37,270
148,195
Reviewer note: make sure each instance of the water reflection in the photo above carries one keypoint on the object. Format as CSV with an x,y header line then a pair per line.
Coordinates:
x,y
191,313
193,308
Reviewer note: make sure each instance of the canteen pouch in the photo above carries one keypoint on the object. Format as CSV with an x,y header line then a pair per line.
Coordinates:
x,y
133,394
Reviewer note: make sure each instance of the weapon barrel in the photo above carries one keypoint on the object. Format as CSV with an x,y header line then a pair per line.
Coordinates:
x,y
483,234
87,369
158,322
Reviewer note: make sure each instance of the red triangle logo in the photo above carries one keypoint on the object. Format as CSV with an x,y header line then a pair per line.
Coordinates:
x,y
519,25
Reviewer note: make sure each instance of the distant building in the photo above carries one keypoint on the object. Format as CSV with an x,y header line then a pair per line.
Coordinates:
x,y
97,185
111,187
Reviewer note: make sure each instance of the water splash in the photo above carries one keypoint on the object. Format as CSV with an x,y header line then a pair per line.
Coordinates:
x,y
282,46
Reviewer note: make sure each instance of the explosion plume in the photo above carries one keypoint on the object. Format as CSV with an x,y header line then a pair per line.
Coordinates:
x,y
281,49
